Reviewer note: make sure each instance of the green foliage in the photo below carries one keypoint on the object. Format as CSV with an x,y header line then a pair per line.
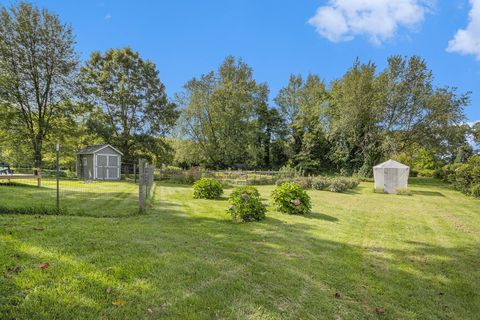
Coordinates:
x,y
223,112
465,177
290,198
134,107
245,204
338,185
476,133
207,188
303,106
475,190
38,66
288,171
354,114
178,175
334,184
321,183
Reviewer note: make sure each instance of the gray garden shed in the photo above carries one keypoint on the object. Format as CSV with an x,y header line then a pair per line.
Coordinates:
x,y
99,162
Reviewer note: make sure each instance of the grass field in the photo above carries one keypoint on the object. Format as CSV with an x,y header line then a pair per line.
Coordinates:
x,y
97,198
359,255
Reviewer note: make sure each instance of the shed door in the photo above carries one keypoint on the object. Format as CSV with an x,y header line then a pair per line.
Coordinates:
x,y
113,167
102,166
390,180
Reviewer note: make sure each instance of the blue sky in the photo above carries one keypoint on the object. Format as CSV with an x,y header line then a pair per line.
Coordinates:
x,y
186,38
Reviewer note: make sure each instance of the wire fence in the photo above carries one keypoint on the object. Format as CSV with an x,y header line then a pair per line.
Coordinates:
x,y
54,190
146,185
238,177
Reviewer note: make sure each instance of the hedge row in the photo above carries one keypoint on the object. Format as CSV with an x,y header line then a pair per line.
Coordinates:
x,y
333,184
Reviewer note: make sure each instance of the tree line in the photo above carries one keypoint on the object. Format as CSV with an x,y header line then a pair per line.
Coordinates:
x,y
221,119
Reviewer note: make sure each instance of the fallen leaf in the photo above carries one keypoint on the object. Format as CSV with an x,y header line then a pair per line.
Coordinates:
x,y
119,302
108,290
44,265
380,310
337,295
150,311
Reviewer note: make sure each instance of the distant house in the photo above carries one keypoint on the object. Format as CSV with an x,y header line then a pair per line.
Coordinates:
x,y
99,162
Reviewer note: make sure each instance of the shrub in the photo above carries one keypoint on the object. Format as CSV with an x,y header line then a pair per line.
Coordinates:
x,y
352,183
338,185
245,204
207,188
448,172
475,190
304,182
427,173
320,183
291,198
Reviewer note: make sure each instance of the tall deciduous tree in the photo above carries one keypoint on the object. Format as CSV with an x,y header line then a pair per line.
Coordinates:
x,y
417,112
476,133
38,65
133,107
303,105
220,112
355,109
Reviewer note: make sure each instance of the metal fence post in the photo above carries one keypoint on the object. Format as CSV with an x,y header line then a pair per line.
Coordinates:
x,y
58,177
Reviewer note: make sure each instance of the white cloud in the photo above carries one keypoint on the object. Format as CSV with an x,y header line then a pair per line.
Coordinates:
x,y
108,16
379,20
467,41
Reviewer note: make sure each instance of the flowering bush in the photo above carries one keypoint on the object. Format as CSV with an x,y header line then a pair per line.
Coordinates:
x,y
245,204
291,198
320,183
207,188
338,185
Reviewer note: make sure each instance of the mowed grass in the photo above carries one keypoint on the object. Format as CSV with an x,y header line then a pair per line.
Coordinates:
x,y
96,198
359,255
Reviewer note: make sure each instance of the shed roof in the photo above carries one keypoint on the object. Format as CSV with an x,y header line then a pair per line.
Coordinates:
x,y
95,148
391,164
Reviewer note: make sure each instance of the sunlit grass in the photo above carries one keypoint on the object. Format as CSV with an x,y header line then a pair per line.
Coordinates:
x,y
97,198
359,255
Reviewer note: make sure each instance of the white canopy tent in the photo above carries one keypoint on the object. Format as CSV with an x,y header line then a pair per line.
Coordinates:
x,y
390,176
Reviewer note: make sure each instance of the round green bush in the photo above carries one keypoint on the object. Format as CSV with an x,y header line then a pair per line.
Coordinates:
x,y
207,188
338,185
290,198
245,204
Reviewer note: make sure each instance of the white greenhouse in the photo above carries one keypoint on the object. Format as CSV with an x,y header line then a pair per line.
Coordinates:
x,y
391,176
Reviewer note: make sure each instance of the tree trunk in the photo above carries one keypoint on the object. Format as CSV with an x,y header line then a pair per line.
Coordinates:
x,y
37,150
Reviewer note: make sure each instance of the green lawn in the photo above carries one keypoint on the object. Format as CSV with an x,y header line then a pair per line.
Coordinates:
x,y
97,198
360,255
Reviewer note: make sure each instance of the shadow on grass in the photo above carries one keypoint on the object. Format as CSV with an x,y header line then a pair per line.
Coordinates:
x,y
426,193
320,216
181,265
